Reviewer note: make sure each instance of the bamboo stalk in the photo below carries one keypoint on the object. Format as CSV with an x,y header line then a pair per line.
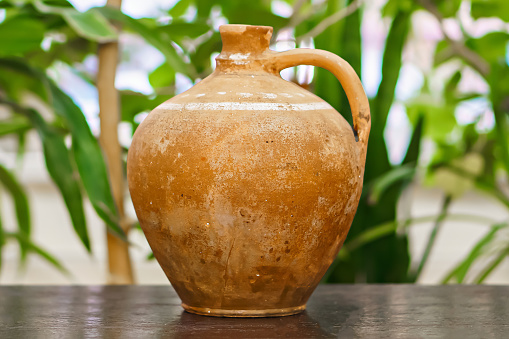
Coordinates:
x,y
119,262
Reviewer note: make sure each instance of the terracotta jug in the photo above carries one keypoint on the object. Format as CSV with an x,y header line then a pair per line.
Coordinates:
x,y
246,184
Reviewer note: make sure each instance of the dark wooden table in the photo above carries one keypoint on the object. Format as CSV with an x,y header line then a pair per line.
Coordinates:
x,y
344,311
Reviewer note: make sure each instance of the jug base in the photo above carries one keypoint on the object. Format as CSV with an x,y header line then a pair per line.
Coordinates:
x,y
218,312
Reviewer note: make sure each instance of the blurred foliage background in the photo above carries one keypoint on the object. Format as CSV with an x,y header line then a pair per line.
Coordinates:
x,y
461,71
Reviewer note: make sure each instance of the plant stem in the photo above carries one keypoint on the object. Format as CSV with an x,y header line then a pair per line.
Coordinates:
x,y
432,237
330,20
295,18
458,48
119,262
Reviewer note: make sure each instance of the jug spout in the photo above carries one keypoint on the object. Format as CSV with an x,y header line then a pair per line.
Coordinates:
x,y
245,38
243,45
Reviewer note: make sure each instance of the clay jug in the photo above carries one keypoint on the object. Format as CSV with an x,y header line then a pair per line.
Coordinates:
x,y
246,184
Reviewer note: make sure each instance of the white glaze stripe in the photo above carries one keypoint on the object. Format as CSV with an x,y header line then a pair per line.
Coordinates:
x,y
246,106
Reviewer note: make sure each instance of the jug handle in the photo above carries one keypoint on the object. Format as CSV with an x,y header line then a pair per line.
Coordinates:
x,y
347,77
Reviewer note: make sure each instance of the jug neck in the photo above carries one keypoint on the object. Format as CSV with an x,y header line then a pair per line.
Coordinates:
x,y
245,49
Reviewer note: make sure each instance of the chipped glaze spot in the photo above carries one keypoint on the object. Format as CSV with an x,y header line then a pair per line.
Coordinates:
x,y
269,95
238,58
245,95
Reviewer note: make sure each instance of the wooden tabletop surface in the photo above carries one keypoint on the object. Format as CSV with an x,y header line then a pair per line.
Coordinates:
x,y
334,311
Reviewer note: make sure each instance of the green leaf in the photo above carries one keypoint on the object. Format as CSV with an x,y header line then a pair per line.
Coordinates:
x,y
490,8
2,242
90,25
388,228
22,138
19,65
58,3
254,15
204,7
86,150
133,103
20,34
439,117
201,58
151,36
377,161
499,85
52,7
385,259
60,168
342,38
388,179
448,8
451,86
460,272
89,159
391,66
443,53
492,46
414,148
162,76
392,7
23,241
432,237
21,206
326,86
492,266
177,30
372,234
180,8
5,4
16,124
459,176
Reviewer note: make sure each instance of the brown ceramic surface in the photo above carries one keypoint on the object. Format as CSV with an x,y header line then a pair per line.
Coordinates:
x,y
246,185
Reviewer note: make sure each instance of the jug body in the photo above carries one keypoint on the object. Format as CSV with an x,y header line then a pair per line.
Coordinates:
x,y
245,186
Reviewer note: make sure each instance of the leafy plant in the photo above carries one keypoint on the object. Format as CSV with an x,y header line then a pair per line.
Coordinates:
x,y
73,169
473,158
465,156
